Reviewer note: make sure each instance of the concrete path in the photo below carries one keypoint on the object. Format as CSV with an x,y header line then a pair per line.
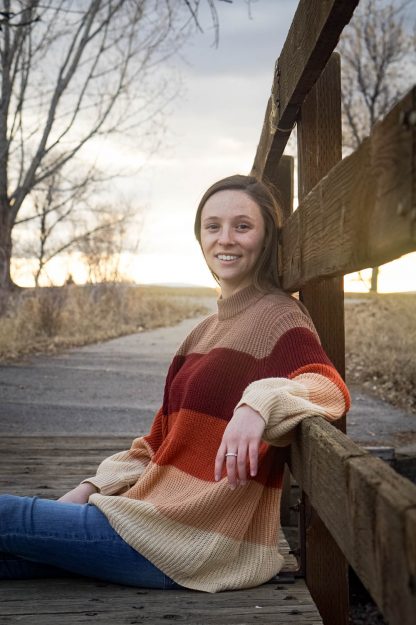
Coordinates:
x,y
117,386
111,387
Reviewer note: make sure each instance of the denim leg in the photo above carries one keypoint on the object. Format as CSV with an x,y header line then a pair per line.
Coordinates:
x,y
14,567
50,537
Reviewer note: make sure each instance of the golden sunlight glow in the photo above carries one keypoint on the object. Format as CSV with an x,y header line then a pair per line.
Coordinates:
x,y
148,268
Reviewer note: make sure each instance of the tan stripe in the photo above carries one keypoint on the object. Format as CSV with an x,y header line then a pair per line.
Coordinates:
x,y
192,557
247,513
323,391
271,313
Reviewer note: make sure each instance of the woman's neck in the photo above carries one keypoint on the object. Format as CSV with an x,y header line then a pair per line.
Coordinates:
x,y
227,290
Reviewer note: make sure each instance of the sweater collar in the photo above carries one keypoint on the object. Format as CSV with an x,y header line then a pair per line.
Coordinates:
x,y
236,303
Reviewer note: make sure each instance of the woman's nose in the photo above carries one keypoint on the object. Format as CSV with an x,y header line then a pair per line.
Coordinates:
x,y
225,237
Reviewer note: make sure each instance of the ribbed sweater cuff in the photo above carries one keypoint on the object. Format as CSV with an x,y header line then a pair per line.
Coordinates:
x,y
266,396
106,485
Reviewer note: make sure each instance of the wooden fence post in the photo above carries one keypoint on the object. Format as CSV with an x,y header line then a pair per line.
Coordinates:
x,y
319,149
282,180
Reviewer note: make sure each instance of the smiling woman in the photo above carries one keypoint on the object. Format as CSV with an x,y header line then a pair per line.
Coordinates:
x,y
237,225
193,503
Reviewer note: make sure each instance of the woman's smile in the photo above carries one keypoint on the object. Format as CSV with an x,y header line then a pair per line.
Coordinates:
x,y
227,258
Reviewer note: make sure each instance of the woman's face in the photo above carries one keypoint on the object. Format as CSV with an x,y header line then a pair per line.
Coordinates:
x,y
232,237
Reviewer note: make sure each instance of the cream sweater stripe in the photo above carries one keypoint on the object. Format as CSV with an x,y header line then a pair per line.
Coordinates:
x,y
120,471
227,564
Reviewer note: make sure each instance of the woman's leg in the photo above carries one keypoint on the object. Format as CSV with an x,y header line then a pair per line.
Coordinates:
x,y
53,538
13,567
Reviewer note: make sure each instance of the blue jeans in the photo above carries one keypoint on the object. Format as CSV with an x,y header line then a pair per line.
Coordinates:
x,y
44,538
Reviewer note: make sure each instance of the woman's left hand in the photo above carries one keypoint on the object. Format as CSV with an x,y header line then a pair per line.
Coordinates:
x,y
242,436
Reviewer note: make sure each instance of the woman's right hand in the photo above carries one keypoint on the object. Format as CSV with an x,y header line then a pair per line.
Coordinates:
x,y
79,494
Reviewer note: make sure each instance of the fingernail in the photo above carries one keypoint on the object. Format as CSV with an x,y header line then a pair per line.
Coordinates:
x,y
232,486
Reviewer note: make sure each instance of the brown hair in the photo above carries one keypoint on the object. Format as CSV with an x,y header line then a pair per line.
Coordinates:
x,y
265,273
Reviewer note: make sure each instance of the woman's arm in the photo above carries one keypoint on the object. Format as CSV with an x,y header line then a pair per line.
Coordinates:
x,y
121,470
79,494
272,407
115,474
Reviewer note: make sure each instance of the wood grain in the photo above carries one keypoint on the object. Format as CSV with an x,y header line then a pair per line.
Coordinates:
x,y
76,601
363,212
313,35
368,508
283,181
319,149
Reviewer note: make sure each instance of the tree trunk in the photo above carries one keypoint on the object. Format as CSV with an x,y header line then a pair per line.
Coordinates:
x,y
374,280
6,281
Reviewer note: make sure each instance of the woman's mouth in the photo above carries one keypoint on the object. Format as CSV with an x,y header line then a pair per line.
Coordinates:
x,y
227,257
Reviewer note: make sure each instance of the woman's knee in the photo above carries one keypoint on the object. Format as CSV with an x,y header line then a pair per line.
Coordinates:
x,y
8,505
13,510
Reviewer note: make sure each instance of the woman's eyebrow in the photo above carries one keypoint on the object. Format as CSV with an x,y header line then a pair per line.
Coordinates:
x,y
235,217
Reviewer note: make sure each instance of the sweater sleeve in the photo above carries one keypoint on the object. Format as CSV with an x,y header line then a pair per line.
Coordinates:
x,y
121,470
300,382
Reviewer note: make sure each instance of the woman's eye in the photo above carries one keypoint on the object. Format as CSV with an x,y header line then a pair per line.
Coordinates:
x,y
212,227
242,227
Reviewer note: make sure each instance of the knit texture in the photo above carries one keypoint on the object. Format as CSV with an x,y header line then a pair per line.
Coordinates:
x,y
261,350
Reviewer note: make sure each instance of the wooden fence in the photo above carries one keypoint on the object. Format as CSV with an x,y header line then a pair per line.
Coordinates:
x,y
353,213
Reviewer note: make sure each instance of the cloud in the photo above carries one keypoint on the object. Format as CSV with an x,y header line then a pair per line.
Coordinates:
x,y
246,46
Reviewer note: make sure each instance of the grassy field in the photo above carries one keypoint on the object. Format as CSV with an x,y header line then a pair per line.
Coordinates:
x,y
380,334
380,329
50,319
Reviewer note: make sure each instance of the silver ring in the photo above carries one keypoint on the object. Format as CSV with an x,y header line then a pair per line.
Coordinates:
x,y
231,453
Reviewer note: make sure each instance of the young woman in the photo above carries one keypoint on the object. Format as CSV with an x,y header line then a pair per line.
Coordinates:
x,y
195,502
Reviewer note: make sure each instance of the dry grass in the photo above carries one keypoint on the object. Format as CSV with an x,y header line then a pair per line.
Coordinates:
x,y
381,346
50,319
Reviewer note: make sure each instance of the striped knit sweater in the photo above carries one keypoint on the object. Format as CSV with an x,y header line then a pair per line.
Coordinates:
x,y
261,350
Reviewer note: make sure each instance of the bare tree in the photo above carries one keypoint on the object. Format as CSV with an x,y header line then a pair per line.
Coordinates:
x,y
41,228
102,247
378,56
61,217
72,71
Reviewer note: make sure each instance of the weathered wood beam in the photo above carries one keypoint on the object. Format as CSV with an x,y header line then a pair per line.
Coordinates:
x,y
313,35
319,139
363,213
283,181
369,509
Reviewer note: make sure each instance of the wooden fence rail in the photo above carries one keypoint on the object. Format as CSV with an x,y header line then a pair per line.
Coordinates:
x,y
363,212
369,509
313,35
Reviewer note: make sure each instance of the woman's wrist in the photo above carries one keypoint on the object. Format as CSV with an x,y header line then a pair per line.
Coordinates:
x,y
88,488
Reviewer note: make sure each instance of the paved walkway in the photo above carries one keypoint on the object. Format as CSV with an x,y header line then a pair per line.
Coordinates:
x,y
117,386
111,387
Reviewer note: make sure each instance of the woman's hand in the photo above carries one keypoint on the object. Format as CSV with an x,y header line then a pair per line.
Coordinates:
x,y
79,494
242,436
